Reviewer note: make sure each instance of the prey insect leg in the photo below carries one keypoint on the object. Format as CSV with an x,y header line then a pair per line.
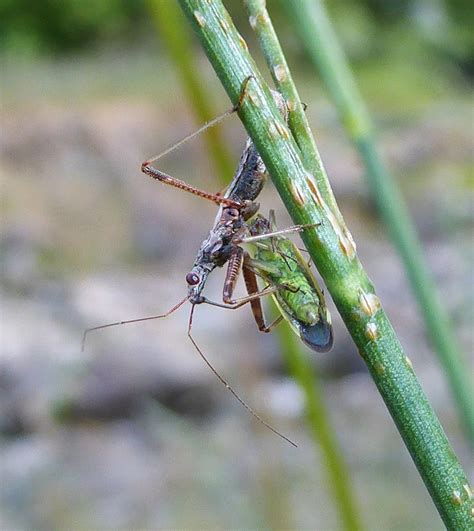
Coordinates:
x,y
241,261
228,387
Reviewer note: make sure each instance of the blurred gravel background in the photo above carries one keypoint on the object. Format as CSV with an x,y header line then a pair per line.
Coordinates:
x,y
135,433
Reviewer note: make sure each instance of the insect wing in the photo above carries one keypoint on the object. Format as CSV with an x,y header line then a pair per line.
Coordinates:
x,y
319,336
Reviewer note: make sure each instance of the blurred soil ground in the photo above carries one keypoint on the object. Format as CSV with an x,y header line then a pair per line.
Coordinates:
x,y
135,432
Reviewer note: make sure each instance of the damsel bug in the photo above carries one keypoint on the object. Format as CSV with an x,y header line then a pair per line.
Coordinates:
x,y
223,245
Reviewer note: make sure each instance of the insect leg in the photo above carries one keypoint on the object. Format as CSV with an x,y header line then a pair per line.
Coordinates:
x,y
237,303
207,125
233,270
228,387
251,284
155,173
148,168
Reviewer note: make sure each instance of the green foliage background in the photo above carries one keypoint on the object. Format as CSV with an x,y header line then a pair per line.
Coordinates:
x,y
62,26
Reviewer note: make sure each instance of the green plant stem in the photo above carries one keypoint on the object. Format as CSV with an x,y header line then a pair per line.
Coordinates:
x,y
167,17
318,37
308,379
320,429
333,251
261,23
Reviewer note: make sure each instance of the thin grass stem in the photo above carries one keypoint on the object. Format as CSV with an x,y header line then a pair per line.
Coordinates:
x,y
308,379
174,37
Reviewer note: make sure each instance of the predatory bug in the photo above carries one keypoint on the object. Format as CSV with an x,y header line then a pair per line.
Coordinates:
x,y
237,206
299,298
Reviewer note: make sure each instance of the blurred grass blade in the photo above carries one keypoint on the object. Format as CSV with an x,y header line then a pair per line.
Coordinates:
x,y
333,251
170,23
317,36
321,429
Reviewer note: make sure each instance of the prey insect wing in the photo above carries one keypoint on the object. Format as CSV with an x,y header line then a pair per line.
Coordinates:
x,y
300,299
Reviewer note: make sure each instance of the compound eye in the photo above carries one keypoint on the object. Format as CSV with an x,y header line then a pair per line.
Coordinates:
x,y
192,279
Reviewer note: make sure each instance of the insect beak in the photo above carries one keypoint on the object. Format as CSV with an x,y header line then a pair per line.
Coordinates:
x,y
194,294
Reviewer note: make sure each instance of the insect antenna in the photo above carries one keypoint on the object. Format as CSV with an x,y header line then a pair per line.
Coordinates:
x,y
150,318
207,125
228,387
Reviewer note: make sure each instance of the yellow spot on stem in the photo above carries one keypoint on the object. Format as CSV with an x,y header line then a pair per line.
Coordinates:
x,y
371,331
408,362
456,498
314,190
273,130
282,130
280,72
291,105
370,303
243,43
253,97
350,239
224,24
468,490
346,247
263,16
199,18
297,193
379,368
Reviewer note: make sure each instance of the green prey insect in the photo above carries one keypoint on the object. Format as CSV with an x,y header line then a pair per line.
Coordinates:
x,y
278,261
